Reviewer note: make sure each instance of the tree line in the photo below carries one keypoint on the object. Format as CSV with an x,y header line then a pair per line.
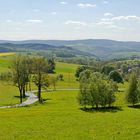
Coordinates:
x,y
98,89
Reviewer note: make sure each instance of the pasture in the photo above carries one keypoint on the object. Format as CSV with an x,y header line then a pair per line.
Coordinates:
x,y
61,118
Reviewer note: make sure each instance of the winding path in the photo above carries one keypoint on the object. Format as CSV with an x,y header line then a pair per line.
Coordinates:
x,y
31,98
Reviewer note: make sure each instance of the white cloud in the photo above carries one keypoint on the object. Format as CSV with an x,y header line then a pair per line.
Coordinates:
x,y
105,19
86,5
53,13
75,23
63,2
116,27
105,23
133,17
34,21
120,22
123,18
108,14
105,2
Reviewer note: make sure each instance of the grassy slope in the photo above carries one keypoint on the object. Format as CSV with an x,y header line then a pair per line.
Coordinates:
x,y
8,92
68,70
60,117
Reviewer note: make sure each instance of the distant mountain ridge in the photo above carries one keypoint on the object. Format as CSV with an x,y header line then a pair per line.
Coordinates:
x,y
6,46
103,48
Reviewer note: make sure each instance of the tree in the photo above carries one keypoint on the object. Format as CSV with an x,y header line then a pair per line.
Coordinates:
x,y
79,70
83,96
95,90
133,92
116,76
102,91
60,77
20,74
40,71
107,69
51,64
111,89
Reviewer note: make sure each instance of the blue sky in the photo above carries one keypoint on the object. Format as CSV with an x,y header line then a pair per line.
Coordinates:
x,y
70,19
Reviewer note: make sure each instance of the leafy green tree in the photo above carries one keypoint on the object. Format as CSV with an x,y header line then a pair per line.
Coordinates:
x,y
95,97
20,74
102,91
124,68
79,70
60,77
40,71
95,90
133,93
84,94
51,64
107,69
116,76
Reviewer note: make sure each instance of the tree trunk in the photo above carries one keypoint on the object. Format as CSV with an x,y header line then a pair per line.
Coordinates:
x,y
39,93
96,106
20,95
24,92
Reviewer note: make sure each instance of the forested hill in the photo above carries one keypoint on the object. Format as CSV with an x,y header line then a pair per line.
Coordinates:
x,y
105,49
40,47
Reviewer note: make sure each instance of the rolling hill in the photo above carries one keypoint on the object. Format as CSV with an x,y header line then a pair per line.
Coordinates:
x,y
102,48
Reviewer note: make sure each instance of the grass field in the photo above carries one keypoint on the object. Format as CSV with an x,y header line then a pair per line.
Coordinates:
x,y
7,54
61,118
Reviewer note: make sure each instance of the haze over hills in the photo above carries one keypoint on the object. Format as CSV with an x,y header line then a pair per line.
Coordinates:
x,y
102,48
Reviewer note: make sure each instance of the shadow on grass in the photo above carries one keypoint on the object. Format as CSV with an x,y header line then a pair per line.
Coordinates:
x,y
102,109
19,97
47,99
135,106
43,101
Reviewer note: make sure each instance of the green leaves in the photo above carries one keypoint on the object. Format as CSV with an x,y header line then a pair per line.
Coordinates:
x,y
95,90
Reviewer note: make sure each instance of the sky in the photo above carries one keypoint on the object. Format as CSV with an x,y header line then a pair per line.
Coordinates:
x,y
70,19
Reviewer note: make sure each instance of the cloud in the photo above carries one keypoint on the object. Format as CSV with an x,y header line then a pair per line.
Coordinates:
x,y
63,2
75,23
120,22
34,21
105,2
116,27
53,13
123,18
104,23
86,5
108,14
133,17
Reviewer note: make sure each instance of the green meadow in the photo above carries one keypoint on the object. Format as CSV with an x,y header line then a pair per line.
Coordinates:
x,y
61,118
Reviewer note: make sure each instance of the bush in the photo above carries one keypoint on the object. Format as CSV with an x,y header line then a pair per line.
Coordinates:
x,y
116,76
